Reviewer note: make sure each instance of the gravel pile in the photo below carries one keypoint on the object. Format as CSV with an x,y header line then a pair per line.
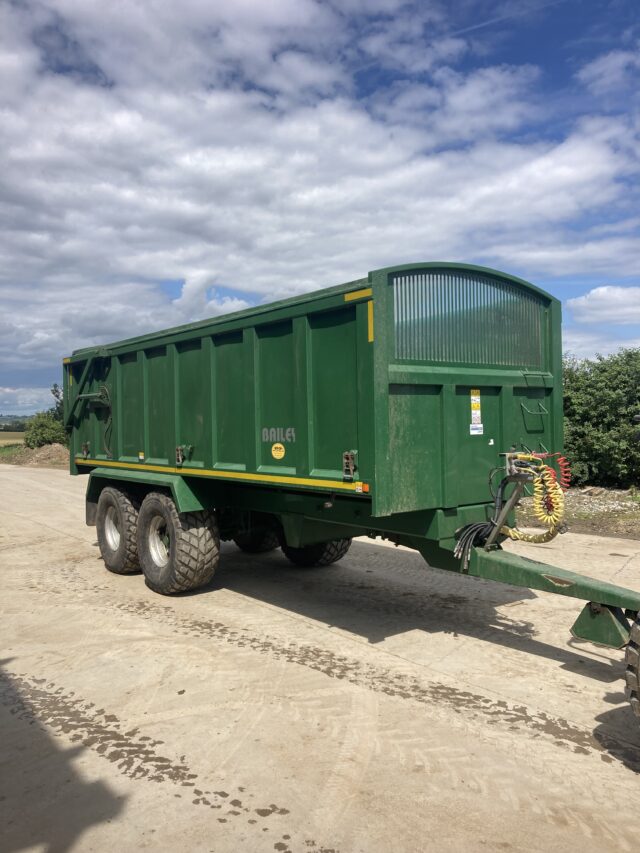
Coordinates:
x,y
49,456
592,509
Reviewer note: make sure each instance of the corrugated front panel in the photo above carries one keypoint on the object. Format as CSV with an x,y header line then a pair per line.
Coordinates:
x,y
466,317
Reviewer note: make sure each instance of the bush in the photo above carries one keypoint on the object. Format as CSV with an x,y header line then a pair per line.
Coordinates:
x,y
43,429
601,397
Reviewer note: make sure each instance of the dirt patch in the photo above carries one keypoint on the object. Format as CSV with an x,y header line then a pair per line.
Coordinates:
x,y
49,456
595,510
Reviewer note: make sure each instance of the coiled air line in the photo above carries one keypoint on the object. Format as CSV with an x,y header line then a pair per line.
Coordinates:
x,y
548,501
548,504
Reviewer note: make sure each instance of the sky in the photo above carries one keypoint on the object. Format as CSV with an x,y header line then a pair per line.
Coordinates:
x,y
162,162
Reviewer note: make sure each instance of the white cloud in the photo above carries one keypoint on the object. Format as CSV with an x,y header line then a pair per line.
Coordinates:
x,y
607,304
222,145
456,107
41,332
24,401
583,343
612,71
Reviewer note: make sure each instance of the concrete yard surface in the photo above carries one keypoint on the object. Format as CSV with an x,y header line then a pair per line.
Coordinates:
x,y
375,706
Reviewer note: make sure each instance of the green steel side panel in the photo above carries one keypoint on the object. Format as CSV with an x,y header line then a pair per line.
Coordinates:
x,y
476,455
93,426
415,445
130,403
334,413
276,390
193,411
231,371
159,426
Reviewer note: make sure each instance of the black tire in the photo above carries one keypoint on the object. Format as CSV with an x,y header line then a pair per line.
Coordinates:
x,y
632,674
117,524
178,551
322,554
257,540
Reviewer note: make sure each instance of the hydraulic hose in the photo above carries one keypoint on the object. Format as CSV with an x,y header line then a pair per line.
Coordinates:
x,y
548,504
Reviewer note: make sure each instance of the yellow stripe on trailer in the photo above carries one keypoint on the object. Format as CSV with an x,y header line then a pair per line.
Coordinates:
x,y
358,294
357,487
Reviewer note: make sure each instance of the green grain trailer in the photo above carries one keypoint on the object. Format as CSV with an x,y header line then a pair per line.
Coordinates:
x,y
382,407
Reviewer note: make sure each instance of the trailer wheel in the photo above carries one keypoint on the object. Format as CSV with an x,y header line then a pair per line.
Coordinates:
x,y
632,674
116,525
257,540
322,554
178,551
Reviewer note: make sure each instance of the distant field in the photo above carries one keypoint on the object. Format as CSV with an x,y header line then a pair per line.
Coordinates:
x,y
11,438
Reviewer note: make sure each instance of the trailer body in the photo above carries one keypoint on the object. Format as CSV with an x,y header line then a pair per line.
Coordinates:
x,y
422,373
383,406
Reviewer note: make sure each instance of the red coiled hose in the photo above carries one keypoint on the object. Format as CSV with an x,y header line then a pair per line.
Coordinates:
x,y
564,480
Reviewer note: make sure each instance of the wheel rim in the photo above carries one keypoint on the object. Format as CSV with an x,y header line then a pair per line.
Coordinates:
x,y
159,541
112,528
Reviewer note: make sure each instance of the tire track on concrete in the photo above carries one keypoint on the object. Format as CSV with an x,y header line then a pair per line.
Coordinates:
x,y
498,712
136,756
495,712
39,701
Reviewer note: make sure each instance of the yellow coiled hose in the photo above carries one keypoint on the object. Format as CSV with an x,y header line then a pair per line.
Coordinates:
x,y
548,504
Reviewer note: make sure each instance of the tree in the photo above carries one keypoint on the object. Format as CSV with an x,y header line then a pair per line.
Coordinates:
x,y
601,396
57,410
47,427
43,429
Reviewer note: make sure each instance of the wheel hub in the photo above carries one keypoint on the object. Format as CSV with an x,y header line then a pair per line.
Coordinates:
x,y
159,541
112,528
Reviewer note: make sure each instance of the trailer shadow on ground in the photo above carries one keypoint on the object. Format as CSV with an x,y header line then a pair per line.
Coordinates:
x,y
44,802
376,593
618,733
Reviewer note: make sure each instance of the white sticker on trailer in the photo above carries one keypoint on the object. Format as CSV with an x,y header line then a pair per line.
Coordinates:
x,y
475,428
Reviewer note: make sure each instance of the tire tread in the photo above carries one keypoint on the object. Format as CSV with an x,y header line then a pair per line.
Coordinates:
x,y
321,554
257,540
129,506
632,672
197,548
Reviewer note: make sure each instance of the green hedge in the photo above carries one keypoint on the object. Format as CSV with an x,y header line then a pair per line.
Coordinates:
x,y
601,396
43,429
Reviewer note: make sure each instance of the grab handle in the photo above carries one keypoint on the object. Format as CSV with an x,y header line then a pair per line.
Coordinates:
x,y
542,411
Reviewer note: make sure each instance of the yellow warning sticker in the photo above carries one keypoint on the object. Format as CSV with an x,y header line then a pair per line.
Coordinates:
x,y
277,450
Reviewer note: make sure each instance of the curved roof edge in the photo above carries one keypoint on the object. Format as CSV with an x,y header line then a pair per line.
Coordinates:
x,y
311,296
463,266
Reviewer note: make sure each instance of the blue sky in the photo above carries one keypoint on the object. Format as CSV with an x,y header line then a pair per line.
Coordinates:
x,y
164,162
